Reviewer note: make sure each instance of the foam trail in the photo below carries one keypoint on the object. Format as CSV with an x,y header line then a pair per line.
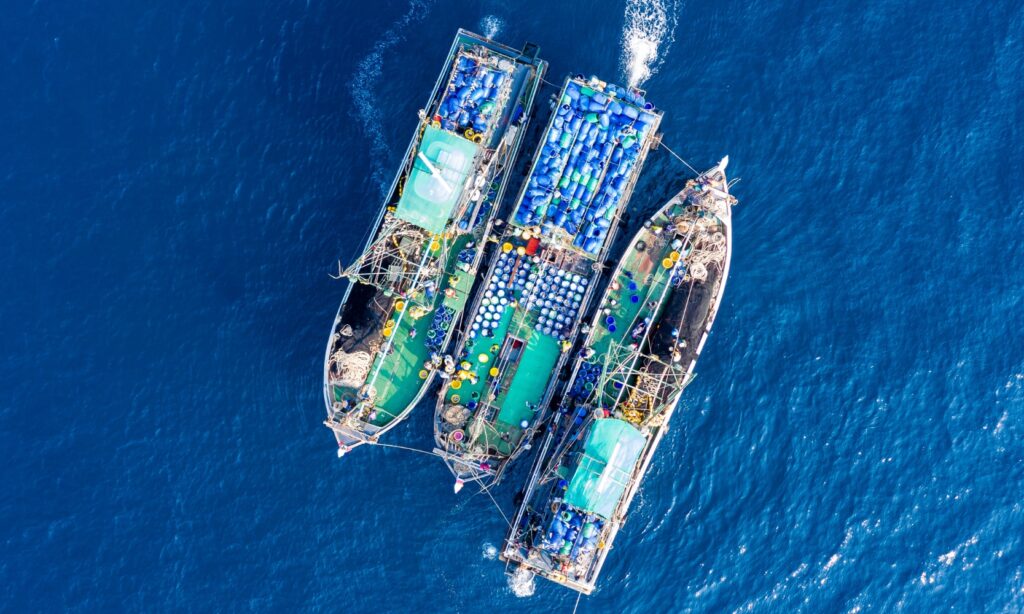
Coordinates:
x,y
491,25
646,37
521,583
367,75
489,551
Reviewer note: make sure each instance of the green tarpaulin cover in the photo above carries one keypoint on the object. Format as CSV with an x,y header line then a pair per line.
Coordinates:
x,y
609,455
430,194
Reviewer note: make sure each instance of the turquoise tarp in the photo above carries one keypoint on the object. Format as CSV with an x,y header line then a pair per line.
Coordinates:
x,y
430,194
609,456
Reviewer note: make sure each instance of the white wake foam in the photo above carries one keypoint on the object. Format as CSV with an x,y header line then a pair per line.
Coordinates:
x,y
364,83
521,583
646,37
491,25
489,551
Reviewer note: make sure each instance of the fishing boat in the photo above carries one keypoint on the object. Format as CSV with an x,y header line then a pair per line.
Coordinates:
x,y
639,355
412,281
524,318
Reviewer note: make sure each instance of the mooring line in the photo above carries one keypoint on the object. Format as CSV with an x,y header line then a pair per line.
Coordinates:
x,y
483,488
678,157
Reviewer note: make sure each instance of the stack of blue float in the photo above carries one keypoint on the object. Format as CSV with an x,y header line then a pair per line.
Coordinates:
x,y
438,327
509,275
586,378
572,533
472,97
466,255
556,300
590,150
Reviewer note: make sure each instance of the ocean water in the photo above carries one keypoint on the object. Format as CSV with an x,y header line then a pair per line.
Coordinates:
x,y
177,179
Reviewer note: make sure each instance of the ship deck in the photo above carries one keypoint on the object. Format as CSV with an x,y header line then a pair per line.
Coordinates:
x,y
681,264
507,369
641,275
398,376
401,376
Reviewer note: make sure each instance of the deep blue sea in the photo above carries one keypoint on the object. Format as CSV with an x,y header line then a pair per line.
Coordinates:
x,y
177,179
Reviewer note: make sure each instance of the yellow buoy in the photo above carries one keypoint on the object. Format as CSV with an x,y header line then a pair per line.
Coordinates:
x,y
456,398
483,358
456,384
494,371
465,364
469,133
387,332
674,256
506,247
495,348
667,263
423,374
434,246
389,324
399,305
521,250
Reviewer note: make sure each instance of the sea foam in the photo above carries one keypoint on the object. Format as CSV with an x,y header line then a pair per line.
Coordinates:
x,y
648,33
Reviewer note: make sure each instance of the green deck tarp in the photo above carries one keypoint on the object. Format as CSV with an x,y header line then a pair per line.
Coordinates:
x,y
426,201
609,455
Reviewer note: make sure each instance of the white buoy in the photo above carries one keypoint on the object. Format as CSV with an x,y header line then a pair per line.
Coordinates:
x,y
458,485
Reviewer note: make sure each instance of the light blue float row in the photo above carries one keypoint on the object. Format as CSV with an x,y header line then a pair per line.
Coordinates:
x,y
472,97
556,300
589,154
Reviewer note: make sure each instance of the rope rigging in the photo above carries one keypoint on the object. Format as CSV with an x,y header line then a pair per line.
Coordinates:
x,y
678,157
483,488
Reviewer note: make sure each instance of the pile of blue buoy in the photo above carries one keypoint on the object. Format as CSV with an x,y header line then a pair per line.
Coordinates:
x,y
439,327
590,149
587,374
466,255
472,97
556,299
572,533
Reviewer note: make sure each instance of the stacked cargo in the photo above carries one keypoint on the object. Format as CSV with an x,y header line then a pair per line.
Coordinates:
x,y
473,96
594,141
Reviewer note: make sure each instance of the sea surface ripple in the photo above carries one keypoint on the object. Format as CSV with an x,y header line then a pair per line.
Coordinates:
x,y
177,179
